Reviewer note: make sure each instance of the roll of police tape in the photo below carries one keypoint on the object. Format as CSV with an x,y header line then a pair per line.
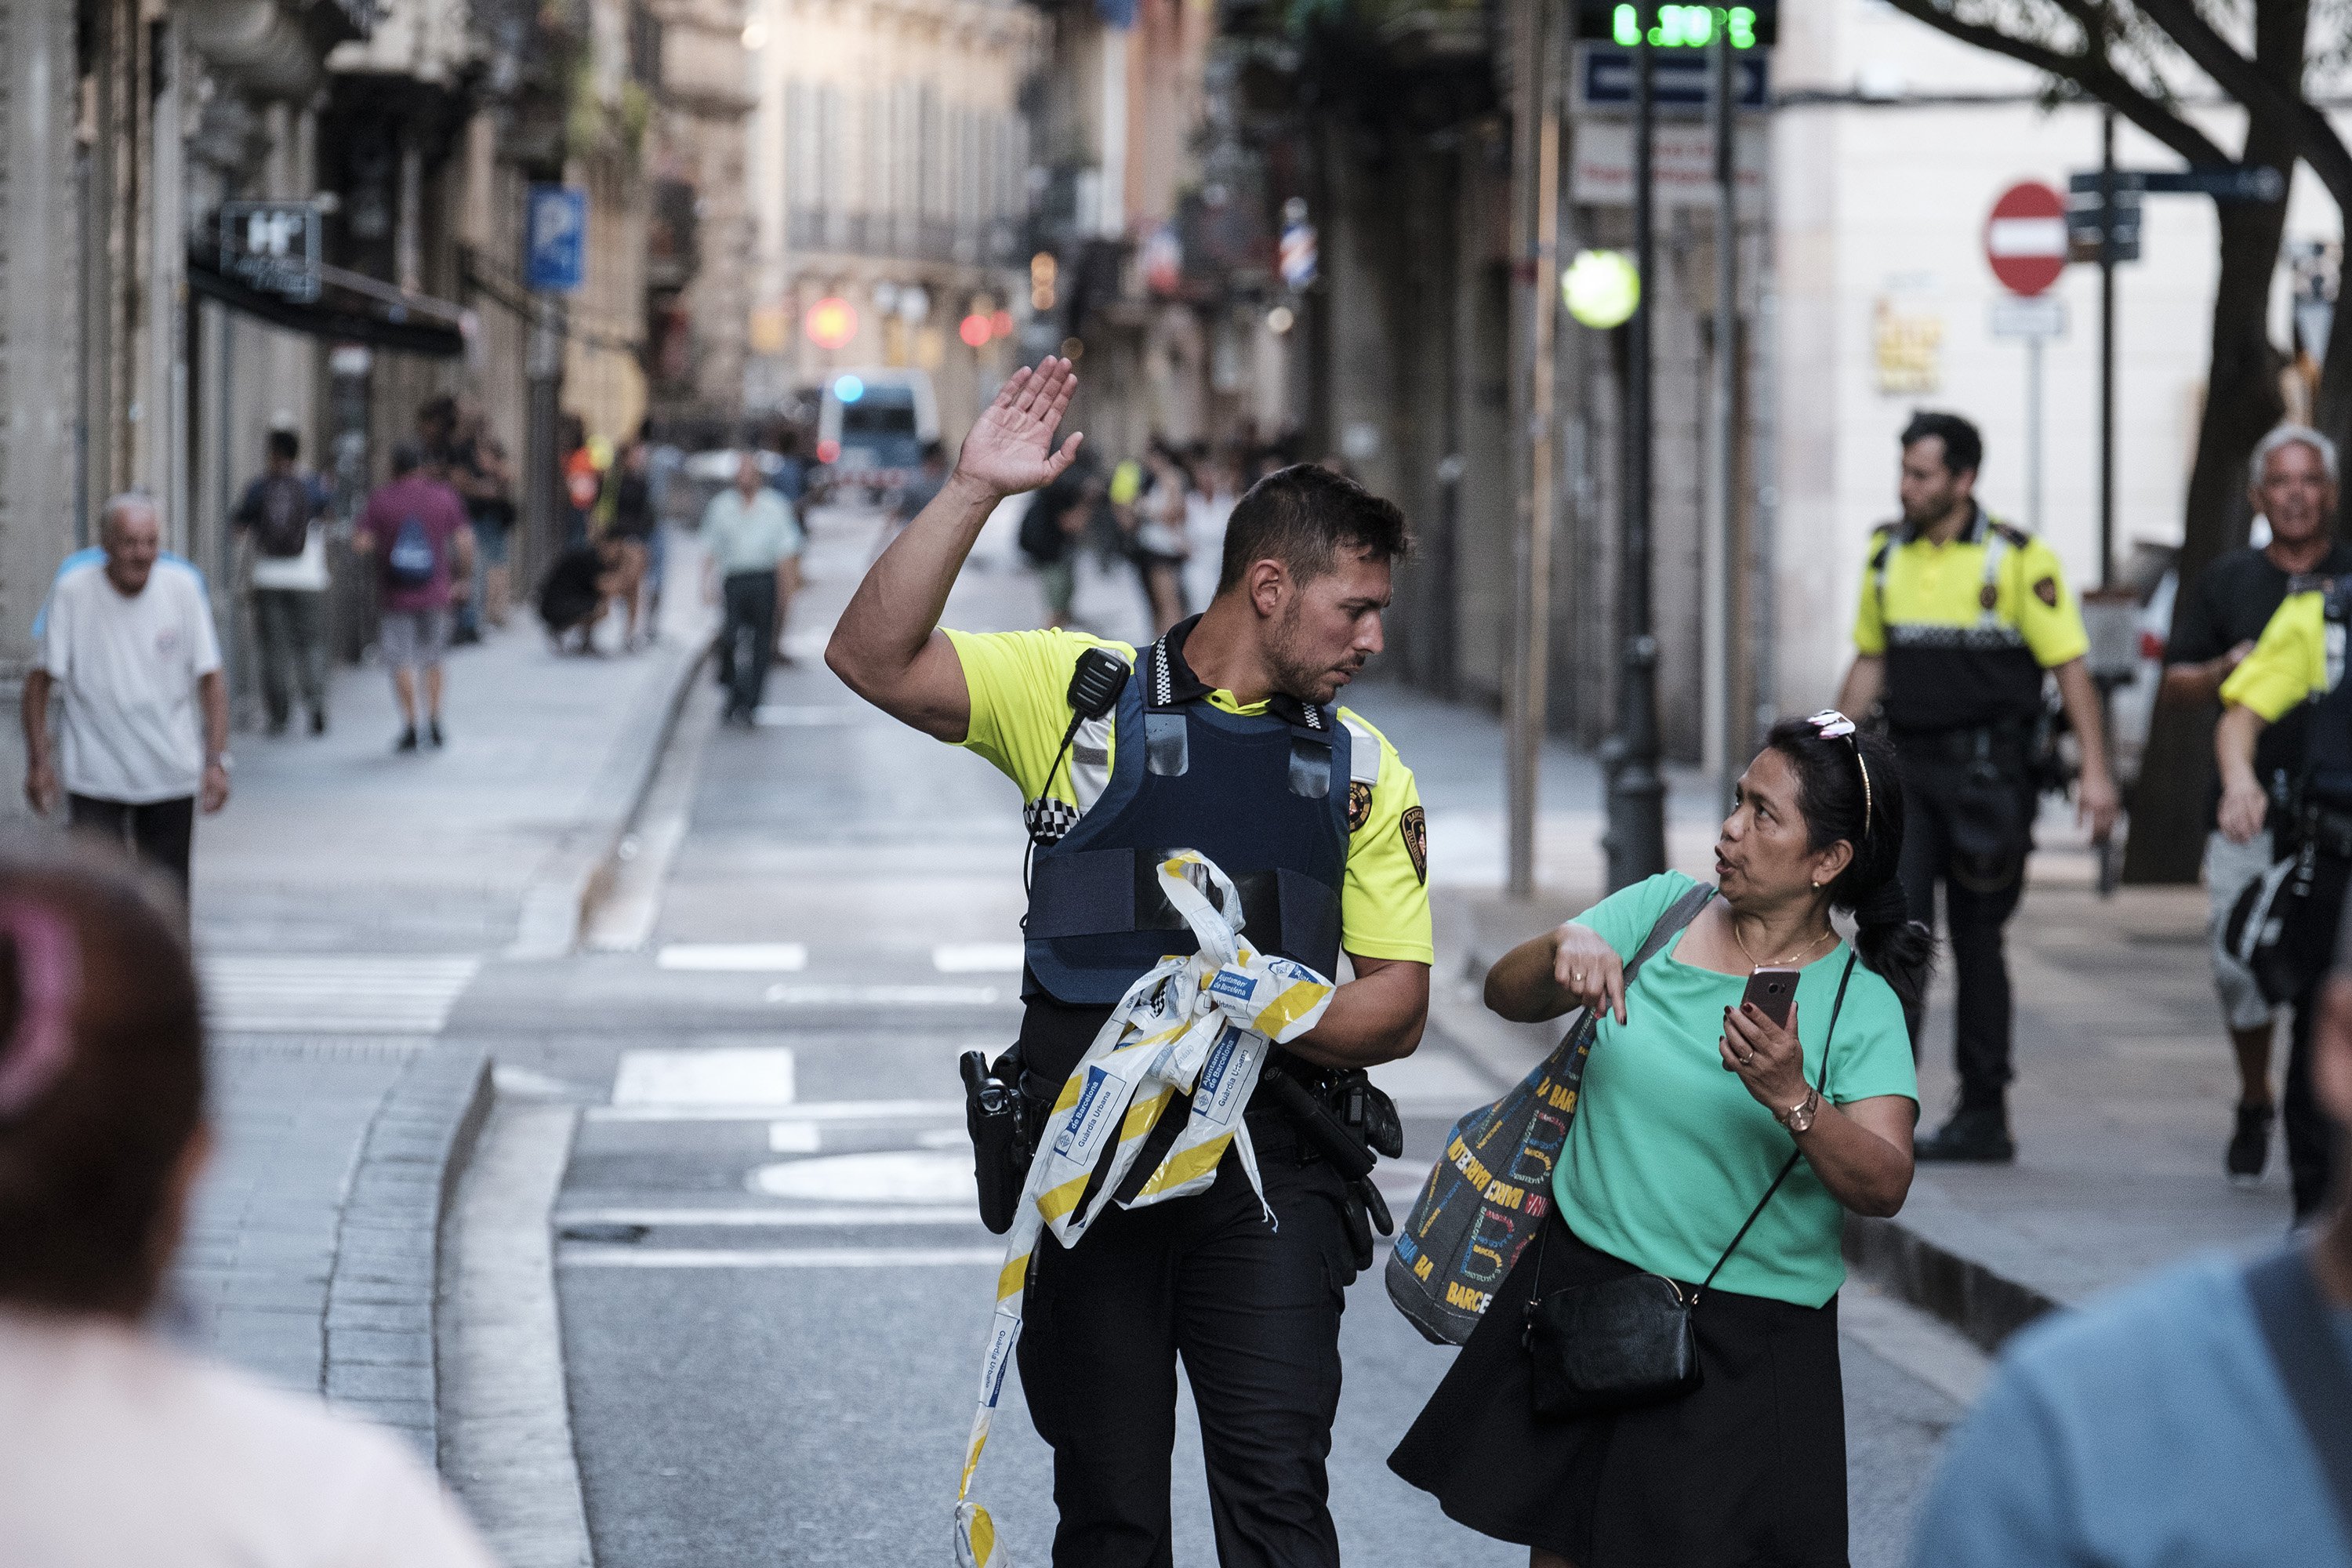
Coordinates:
x,y
1199,1026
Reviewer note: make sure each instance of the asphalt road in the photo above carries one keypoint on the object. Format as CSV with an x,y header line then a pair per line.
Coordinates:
x,y
774,1288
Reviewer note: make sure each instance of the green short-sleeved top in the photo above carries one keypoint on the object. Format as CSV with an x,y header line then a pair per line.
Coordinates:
x,y
1668,1152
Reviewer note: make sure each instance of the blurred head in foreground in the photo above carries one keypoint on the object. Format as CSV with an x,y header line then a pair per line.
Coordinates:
x,y
102,1086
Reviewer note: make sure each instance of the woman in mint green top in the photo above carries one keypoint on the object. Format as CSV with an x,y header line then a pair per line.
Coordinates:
x,y
1691,1104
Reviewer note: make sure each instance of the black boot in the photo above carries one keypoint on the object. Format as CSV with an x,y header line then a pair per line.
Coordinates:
x,y
1977,1134
2250,1145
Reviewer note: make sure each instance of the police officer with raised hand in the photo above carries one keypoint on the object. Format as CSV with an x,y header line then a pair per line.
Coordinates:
x,y
1223,738
1961,617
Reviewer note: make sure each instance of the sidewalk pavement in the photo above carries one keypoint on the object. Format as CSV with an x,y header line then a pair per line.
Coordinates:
x,y
2125,1085
342,903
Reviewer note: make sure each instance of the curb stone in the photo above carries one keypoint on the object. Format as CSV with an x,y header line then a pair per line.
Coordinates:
x,y
380,1319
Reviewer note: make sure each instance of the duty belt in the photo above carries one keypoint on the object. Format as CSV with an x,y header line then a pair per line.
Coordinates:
x,y
2326,829
1981,742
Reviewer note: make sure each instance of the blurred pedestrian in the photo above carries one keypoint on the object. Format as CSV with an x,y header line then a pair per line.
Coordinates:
x,y
1050,531
280,515
128,641
481,474
1961,618
118,1448
1693,1100
632,533
1148,500
415,528
2293,487
584,479
1208,503
789,476
2203,1416
576,593
751,542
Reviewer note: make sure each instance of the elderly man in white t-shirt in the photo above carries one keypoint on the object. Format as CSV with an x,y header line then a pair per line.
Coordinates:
x,y
129,641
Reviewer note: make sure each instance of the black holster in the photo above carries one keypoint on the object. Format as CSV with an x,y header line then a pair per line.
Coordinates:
x,y
1349,1122
1004,1123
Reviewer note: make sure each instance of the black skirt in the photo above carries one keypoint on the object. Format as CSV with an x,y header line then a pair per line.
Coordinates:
x,y
1746,1472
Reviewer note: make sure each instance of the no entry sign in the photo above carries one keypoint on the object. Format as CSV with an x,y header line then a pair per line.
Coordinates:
x,y
2025,239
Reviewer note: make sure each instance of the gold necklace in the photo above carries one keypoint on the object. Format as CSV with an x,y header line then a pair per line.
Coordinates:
x,y
1831,933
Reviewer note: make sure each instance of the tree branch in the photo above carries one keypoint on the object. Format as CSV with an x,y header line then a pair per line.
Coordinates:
x,y
2315,141
2091,73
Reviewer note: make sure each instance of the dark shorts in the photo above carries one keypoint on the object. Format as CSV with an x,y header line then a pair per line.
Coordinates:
x,y
1748,1470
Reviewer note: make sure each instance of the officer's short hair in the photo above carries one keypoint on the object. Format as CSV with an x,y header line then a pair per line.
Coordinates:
x,y
2288,436
1963,446
1302,516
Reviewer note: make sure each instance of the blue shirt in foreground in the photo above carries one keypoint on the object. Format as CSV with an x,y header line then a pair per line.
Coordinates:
x,y
2151,1427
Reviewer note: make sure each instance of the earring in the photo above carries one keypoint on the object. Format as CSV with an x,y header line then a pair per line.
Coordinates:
x,y
1817,886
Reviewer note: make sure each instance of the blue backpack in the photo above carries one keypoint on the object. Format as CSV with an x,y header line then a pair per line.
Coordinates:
x,y
410,562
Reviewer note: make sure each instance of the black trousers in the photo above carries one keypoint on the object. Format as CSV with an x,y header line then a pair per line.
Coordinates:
x,y
2310,1136
1967,827
1253,1310
747,642
158,831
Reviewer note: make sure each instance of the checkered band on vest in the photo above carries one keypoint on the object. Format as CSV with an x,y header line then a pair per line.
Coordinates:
x,y
1049,820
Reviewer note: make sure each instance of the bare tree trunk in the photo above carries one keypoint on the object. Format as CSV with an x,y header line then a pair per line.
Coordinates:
x,y
2241,403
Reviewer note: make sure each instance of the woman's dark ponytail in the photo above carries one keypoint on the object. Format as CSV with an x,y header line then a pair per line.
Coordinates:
x,y
1848,789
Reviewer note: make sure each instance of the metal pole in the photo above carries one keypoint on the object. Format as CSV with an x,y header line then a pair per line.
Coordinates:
x,y
1535,588
2033,433
2106,348
1715,544
1636,839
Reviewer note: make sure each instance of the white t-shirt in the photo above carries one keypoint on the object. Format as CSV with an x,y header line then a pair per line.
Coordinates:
x,y
128,668
116,1450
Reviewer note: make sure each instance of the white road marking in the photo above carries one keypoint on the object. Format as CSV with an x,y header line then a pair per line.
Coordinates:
x,y
795,1137
585,1255
733,1076
735,957
819,1110
334,994
775,1218
773,716
887,996
888,1176
978,957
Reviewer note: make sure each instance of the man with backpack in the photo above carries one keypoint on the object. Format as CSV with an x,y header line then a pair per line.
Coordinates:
x,y
280,514
416,529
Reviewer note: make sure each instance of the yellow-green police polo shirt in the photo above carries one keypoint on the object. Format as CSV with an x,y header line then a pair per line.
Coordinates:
x,y
1965,627
2292,661
1020,684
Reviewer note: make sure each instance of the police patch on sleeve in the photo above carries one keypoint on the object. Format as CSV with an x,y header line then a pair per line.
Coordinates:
x,y
2047,592
1414,827
1359,804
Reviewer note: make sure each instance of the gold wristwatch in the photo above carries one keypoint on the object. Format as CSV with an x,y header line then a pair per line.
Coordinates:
x,y
1799,1118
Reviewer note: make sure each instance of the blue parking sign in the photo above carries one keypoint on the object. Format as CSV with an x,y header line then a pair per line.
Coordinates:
x,y
555,239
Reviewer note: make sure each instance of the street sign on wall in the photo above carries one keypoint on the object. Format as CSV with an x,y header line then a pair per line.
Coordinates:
x,y
1680,79
555,239
2025,238
272,248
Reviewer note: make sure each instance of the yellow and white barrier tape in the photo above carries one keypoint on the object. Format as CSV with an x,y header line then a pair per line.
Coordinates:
x,y
1201,1024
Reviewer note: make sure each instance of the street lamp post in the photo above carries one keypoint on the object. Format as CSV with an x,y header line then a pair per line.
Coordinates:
x,y
1636,838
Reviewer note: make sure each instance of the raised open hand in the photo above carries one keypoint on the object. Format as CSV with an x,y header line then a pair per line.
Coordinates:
x,y
1011,447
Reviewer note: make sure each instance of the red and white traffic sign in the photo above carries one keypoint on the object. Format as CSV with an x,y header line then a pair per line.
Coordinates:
x,y
2025,239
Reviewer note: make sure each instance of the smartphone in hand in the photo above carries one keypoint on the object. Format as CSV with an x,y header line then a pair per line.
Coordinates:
x,y
1771,992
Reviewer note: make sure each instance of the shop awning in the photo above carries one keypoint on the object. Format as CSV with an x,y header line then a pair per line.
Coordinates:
x,y
350,309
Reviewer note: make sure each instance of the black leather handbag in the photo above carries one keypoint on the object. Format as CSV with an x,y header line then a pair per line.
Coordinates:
x,y
1630,1342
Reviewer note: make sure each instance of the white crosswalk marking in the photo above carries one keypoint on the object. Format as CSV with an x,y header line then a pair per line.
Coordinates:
x,y
334,992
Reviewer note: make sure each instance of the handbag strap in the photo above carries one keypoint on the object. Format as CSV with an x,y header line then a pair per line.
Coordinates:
x,y
2311,1364
1794,1155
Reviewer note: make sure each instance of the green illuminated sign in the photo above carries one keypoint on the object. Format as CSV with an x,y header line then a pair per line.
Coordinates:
x,y
1685,26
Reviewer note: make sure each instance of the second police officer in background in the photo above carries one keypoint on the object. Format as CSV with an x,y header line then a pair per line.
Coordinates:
x,y
1223,739
2293,678
1961,617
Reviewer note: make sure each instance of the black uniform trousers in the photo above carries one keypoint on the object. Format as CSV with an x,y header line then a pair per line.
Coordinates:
x,y
1967,825
1253,1310
2310,1135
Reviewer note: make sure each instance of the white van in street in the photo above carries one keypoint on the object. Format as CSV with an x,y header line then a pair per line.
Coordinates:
x,y
871,425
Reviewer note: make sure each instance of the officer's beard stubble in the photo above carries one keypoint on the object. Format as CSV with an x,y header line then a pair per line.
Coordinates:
x,y
1295,671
